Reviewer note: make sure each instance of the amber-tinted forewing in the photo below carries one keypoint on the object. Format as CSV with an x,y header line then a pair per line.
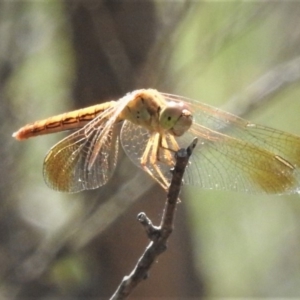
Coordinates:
x,y
66,164
87,158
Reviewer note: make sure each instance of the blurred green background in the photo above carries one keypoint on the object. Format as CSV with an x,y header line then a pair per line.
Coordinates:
x,y
240,56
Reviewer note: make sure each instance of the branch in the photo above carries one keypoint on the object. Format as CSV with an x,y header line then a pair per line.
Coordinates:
x,y
265,87
158,235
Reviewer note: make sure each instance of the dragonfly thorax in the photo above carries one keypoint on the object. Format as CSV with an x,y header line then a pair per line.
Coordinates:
x,y
148,108
143,109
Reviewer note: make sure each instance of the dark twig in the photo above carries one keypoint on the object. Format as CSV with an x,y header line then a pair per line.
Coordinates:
x,y
157,235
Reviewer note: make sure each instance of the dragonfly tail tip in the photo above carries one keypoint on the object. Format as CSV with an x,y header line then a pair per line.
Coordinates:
x,y
17,136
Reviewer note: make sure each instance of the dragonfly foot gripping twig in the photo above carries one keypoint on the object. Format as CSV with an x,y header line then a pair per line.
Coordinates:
x,y
157,235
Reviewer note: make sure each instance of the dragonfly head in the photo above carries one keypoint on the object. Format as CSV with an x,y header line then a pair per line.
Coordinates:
x,y
175,118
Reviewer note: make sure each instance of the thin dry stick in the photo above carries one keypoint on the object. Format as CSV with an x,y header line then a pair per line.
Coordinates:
x,y
158,235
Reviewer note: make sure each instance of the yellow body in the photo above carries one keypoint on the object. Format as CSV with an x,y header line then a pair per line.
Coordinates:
x,y
231,154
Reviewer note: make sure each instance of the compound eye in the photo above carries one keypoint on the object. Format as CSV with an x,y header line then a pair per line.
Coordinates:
x,y
175,118
169,116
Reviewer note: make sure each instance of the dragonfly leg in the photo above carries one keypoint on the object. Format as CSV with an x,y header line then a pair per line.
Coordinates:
x,y
168,148
145,156
149,160
157,175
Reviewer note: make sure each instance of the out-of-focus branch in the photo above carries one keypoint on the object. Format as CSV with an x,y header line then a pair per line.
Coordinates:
x,y
265,87
158,235
78,232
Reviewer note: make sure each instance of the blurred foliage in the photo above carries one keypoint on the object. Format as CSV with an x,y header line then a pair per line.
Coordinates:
x,y
245,245
249,244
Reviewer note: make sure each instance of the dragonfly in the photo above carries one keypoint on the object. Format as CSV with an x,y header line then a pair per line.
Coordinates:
x,y
232,153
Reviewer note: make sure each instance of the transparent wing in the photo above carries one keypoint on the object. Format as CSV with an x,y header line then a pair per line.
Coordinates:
x,y
66,166
87,158
255,159
134,141
278,142
223,162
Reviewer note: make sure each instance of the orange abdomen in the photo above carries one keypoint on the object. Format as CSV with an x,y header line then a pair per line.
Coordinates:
x,y
70,120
